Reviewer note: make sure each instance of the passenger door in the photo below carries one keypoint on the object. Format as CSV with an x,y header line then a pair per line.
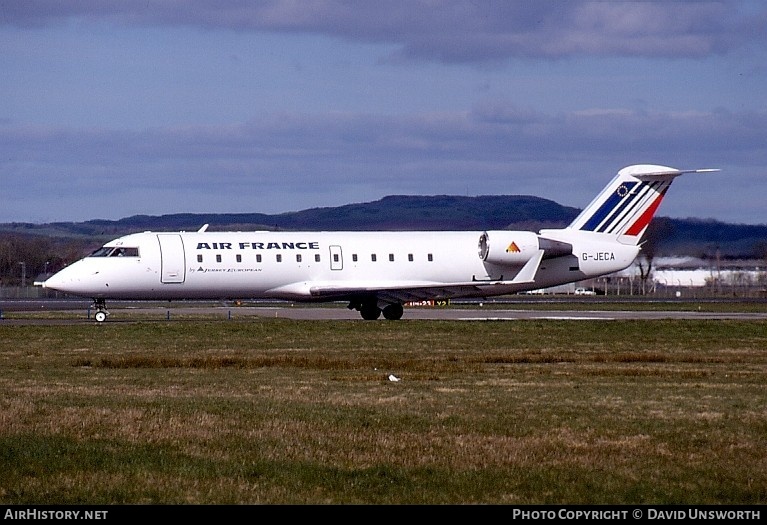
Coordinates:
x,y
172,258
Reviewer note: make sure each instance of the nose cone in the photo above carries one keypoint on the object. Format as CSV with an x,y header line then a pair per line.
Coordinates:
x,y
59,281
54,282
72,280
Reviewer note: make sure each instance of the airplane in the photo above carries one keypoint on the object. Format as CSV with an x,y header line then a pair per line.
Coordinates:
x,y
375,272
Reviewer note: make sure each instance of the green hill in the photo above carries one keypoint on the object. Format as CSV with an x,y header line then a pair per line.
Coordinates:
x,y
675,236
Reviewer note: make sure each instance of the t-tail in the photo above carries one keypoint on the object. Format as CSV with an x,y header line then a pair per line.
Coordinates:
x,y
624,209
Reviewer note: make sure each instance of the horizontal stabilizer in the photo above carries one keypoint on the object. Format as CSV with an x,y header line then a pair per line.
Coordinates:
x,y
669,173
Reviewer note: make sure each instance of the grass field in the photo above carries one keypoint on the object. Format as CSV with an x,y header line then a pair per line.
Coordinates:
x,y
215,411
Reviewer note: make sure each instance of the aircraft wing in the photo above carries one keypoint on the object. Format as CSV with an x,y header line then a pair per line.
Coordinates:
x,y
396,291
413,291
404,291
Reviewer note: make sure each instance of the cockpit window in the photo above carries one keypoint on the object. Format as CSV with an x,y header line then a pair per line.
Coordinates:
x,y
115,251
102,252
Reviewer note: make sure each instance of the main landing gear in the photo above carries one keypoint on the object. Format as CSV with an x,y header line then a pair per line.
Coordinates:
x,y
370,311
101,310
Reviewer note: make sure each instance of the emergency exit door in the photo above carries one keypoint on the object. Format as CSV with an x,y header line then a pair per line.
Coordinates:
x,y
336,258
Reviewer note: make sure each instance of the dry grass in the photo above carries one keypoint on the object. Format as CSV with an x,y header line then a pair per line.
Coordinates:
x,y
278,411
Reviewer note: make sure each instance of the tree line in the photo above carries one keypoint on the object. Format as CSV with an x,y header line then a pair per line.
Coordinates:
x,y
24,257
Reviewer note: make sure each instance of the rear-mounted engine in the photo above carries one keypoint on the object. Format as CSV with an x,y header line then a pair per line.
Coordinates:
x,y
510,248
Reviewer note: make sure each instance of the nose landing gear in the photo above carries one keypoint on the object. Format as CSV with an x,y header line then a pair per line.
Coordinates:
x,y
101,310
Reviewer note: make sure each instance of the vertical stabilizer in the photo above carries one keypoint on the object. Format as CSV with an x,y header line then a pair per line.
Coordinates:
x,y
623,209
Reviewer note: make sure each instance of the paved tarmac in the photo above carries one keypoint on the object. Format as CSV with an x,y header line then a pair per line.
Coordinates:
x,y
78,311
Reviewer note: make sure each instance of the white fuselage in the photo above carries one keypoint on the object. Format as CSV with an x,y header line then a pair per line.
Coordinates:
x,y
313,265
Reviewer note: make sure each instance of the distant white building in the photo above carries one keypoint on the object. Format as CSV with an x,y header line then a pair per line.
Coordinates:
x,y
676,273
691,272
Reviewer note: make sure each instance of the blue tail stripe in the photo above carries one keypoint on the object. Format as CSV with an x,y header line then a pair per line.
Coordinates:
x,y
609,205
630,196
628,207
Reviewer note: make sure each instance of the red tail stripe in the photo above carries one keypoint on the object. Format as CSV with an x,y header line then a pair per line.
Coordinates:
x,y
645,218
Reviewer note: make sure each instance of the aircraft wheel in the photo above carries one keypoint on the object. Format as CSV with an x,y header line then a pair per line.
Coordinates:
x,y
393,312
370,312
100,316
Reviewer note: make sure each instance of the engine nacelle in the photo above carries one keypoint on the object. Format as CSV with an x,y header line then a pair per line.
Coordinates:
x,y
515,248
507,248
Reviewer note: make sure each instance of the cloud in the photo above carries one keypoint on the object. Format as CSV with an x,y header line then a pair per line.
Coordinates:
x,y
281,162
490,131
450,31
495,130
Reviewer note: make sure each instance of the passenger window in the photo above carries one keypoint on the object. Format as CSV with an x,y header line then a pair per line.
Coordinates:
x,y
218,258
373,257
410,257
199,257
298,257
431,257
258,258
316,257
239,258
354,257
391,257
279,257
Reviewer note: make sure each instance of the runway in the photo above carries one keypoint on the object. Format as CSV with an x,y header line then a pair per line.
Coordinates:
x,y
487,314
79,311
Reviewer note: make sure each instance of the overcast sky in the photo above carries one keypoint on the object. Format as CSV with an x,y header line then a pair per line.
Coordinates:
x,y
117,108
